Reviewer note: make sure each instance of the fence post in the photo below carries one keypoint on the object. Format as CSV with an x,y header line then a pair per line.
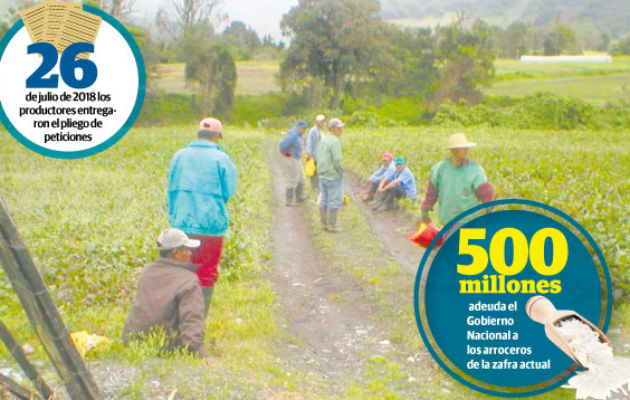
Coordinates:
x,y
28,368
42,312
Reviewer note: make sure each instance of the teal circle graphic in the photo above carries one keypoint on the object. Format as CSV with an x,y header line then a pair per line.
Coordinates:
x,y
476,327
142,82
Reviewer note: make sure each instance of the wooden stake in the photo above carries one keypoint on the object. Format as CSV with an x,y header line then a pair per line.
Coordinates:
x,y
42,312
16,389
29,369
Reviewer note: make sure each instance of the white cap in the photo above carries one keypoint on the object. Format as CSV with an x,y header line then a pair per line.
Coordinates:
x,y
173,238
320,118
336,123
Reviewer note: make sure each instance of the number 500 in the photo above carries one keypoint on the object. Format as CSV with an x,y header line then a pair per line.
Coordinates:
x,y
534,251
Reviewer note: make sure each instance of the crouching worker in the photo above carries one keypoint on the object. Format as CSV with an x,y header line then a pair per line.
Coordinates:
x,y
401,183
386,169
169,296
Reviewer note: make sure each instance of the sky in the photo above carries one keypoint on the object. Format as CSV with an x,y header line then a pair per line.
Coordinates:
x,y
262,15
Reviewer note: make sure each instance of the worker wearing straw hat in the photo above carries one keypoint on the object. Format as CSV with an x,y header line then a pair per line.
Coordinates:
x,y
457,183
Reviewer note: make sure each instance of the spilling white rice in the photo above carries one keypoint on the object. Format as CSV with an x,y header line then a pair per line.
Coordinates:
x,y
605,376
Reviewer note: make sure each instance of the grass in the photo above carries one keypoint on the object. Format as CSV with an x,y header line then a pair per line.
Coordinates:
x,y
91,225
582,173
513,67
597,90
596,83
254,77
391,374
593,82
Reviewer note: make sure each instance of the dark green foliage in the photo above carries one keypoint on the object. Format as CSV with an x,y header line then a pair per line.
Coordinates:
x,y
213,69
257,109
240,40
332,43
162,109
540,111
466,60
561,40
622,47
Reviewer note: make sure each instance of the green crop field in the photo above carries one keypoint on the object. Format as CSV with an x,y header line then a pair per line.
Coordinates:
x,y
90,231
593,82
92,223
584,174
506,68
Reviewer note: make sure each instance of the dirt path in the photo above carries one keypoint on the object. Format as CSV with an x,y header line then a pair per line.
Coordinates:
x,y
391,227
325,311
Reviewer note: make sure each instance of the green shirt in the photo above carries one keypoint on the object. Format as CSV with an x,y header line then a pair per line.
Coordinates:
x,y
456,187
329,157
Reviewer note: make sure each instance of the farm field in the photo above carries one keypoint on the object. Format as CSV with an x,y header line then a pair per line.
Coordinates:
x,y
505,67
582,173
90,232
254,77
513,79
592,82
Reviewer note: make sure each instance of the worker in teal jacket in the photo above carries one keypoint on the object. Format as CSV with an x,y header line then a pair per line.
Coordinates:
x,y
202,179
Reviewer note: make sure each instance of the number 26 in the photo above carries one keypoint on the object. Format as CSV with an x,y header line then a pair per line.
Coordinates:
x,y
67,66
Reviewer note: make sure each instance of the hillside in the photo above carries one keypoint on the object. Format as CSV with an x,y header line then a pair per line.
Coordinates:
x,y
611,17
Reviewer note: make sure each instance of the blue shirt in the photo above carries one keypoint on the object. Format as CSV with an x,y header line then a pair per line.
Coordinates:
x,y
292,143
201,180
382,173
312,140
407,181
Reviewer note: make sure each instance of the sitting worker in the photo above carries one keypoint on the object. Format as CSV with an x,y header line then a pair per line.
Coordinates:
x,y
169,296
399,184
386,169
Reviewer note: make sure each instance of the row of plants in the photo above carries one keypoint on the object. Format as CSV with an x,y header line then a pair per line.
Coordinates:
x,y
581,172
279,111
91,225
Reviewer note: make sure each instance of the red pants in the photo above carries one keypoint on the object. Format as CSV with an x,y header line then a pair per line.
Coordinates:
x,y
207,257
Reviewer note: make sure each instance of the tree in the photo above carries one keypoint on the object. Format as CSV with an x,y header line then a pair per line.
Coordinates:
x,y
332,42
514,41
242,40
209,65
605,42
116,8
561,40
466,61
622,47
213,69
407,66
13,15
185,18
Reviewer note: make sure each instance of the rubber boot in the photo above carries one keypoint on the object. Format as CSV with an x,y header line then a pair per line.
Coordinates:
x,y
332,221
323,217
315,183
299,193
290,201
388,202
378,201
370,195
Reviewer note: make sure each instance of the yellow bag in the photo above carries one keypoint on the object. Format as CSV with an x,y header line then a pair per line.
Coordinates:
x,y
85,343
309,168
